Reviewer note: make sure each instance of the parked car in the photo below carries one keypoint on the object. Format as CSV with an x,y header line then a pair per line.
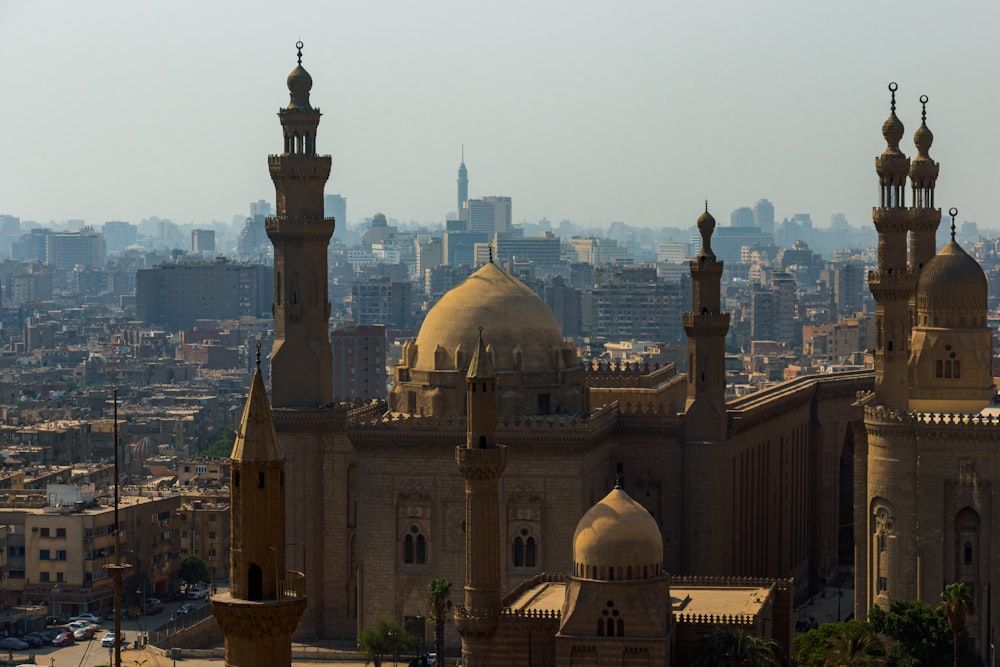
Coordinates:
x,y
13,643
82,625
108,640
63,639
90,618
82,634
198,592
152,606
34,640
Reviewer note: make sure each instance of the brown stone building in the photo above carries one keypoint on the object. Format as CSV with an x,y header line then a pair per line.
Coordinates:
x,y
757,487
924,512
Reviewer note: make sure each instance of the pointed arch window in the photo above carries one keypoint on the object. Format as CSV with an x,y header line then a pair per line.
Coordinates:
x,y
414,547
524,549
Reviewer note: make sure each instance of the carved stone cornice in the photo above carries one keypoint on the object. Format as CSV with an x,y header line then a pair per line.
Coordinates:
x,y
305,420
257,620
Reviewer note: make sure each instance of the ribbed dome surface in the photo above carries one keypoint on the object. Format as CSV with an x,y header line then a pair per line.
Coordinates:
x,y
617,539
509,312
952,291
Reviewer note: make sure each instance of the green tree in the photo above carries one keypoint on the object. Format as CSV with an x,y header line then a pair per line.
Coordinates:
x,y
193,569
222,443
810,649
728,646
383,640
856,646
438,605
956,606
919,635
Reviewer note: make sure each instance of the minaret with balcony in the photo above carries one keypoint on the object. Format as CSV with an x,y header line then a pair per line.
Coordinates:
x,y
706,327
265,602
482,462
301,360
892,283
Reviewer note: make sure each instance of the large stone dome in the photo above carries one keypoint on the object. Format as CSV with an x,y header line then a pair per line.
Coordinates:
x,y
952,290
519,328
617,539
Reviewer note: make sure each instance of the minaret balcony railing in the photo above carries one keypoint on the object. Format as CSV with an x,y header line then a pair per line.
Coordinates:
x,y
293,586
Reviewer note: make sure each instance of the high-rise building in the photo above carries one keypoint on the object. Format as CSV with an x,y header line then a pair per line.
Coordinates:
x,y
742,217
489,215
763,216
358,361
176,295
335,206
203,241
119,234
382,301
542,250
64,250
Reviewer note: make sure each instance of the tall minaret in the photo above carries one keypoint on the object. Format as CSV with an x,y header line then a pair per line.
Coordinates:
x,y
463,185
481,461
891,283
706,326
301,361
924,218
264,603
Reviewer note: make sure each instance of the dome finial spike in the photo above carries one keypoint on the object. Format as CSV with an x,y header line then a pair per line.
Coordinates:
x,y
258,355
923,111
299,45
893,87
619,481
706,206
953,212
491,252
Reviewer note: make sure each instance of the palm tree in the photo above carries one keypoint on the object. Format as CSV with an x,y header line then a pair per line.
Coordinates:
x,y
728,646
438,604
956,605
855,647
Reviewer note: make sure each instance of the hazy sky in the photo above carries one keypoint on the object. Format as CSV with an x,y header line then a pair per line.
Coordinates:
x,y
594,111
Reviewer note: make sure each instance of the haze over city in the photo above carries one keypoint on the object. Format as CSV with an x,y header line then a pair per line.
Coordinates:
x,y
592,111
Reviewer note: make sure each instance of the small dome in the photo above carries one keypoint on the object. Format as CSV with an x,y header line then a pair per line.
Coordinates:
x,y
617,539
952,290
513,315
299,85
892,130
143,449
922,139
706,225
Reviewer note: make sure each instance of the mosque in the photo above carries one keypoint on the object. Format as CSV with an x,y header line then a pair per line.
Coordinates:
x,y
772,493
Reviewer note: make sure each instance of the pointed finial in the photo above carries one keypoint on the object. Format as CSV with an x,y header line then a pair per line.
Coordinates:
x,y
893,87
953,212
258,355
706,206
299,46
491,253
923,106
463,153
619,481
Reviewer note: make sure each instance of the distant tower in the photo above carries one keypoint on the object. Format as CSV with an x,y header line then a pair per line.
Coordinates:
x,y
463,184
706,326
301,371
482,462
891,282
264,603
763,216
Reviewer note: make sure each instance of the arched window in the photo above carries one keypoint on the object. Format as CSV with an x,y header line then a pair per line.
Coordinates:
x,y
255,582
523,549
414,547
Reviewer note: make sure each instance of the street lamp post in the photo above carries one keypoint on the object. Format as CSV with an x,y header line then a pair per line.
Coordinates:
x,y
52,600
141,592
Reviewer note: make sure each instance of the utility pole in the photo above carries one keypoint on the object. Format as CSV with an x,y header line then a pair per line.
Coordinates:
x,y
118,566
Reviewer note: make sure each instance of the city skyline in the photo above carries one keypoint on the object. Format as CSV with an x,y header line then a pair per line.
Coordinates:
x,y
580,111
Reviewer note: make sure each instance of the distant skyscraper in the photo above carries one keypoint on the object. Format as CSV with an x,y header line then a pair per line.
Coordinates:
x,y
260,208
838,222
489,215
763,216
463,184
203,241
119,234
64,250
742,217
335,206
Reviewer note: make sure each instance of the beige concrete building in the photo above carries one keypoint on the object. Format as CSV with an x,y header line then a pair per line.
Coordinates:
x,y
924,510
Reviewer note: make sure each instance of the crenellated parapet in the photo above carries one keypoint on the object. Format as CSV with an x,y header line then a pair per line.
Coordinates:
x,y
625,374
476,623
779,583
531,582
481,464
738,620
311,229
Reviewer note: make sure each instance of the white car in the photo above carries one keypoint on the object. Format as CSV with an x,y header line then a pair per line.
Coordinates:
x,y
108,640
198,592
